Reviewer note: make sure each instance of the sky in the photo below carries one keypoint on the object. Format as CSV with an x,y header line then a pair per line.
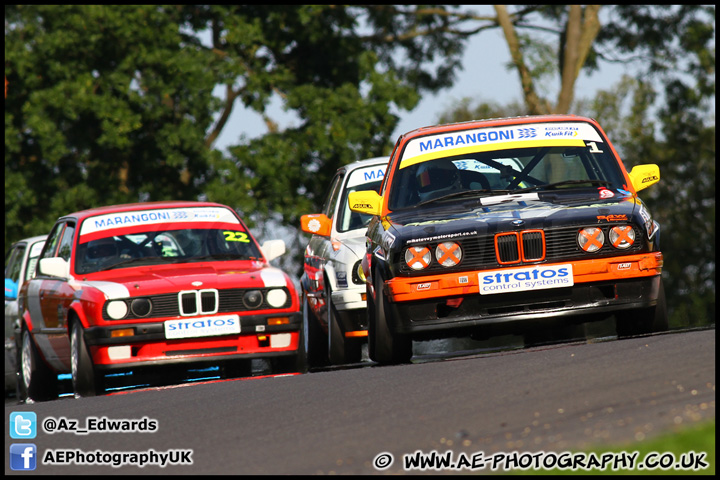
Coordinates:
x,y
484,77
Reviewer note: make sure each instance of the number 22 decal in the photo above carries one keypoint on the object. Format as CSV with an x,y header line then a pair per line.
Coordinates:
x,y
236,237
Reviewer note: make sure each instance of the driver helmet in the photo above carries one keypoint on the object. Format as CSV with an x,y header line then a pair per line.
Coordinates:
x,y
103,248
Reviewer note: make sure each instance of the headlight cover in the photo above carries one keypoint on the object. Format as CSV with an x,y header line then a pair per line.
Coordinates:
x,y
448,254
418,258
622,236
591,239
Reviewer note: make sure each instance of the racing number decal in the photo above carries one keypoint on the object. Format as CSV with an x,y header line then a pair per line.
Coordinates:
x,y
236,237
593,147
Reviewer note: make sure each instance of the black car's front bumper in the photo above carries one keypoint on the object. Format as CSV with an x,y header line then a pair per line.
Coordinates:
x,y
437,317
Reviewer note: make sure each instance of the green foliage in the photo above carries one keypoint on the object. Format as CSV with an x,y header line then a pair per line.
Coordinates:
x,y
115,104
106,105
111,104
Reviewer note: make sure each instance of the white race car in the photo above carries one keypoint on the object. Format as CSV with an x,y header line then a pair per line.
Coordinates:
x,y
20,261
333,288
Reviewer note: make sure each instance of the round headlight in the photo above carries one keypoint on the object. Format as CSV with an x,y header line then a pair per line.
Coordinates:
x,y
117,309
358,276
591,239
253,298
622,236
448,254
417,258
141,307
277,297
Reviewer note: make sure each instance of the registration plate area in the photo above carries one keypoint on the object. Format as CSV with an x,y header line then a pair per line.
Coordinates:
x,y
202,327
537,277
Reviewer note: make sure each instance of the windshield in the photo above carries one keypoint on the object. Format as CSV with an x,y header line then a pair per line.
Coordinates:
x,y
162,237
349,220
367,178
161,247
459,172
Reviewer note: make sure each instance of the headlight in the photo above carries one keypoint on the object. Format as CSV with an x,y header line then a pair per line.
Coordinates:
x,y
418,258
252,298
277,297
358,276
141,307
448,254
591,239
117,309
622,236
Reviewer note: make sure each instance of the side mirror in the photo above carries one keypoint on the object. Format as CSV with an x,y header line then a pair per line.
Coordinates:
x,y
366,201
316,224
54,266
273,249
642,176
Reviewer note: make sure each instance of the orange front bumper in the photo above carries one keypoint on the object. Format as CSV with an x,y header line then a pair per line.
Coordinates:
x,y
405,289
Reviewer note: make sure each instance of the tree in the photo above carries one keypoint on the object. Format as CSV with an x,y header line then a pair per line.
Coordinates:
x,y
105,105
117,103
663,114
114,104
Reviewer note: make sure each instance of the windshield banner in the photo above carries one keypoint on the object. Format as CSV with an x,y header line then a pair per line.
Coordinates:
x,y
461,142
144,218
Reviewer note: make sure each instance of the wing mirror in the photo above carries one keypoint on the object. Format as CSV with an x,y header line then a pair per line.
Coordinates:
x,y
366,201
316,224
272,249
642,176
54,267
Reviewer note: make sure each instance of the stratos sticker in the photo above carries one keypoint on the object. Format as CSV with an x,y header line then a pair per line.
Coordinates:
x,y
523,279
202,327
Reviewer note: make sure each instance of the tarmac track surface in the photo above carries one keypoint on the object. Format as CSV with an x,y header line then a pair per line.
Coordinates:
x,y
556,398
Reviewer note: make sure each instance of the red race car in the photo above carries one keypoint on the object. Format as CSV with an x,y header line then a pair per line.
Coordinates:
x,y
152,285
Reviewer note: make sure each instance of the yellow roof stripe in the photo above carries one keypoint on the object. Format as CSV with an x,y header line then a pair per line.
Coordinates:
x,y
559,142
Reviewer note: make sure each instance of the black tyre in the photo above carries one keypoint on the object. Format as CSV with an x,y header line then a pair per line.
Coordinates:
x,y
554,334
85,380
370,313
341,350
236,368
314,339
387,346
644,321
36,381
296,363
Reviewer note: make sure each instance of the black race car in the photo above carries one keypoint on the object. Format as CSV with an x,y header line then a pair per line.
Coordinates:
x,y
526,225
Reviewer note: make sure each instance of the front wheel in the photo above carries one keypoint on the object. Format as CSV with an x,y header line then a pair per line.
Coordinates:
x,y
341,350
386,346
647,320
313,337
296,363
36,381
86,381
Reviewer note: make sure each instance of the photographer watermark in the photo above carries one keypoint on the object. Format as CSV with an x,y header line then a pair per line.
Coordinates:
x,y
614,461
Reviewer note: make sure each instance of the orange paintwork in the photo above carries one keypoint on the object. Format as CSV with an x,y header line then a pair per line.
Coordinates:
x,y
405,289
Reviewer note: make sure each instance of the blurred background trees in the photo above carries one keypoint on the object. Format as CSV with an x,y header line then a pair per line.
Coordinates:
x,y
117,104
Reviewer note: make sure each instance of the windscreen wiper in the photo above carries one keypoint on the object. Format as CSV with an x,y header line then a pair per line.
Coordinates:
x,y
463,193
564,182
128,261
